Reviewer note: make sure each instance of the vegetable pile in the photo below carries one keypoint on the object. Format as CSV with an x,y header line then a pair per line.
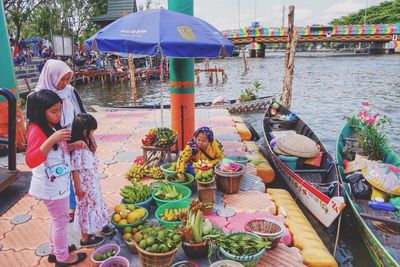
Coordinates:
x,y
168,192
241,244
103,256
194,227
157,239
160,137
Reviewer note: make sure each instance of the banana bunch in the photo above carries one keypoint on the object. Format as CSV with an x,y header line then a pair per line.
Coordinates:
x,y
172,215
165,137
204,176
154,172
135,172
202,164
168,192
135,193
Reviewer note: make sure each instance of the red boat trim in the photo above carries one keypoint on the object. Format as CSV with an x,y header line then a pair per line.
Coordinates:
x,y
304,183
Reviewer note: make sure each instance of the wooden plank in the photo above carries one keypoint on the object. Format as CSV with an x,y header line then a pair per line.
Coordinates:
x,y
379,218
6,179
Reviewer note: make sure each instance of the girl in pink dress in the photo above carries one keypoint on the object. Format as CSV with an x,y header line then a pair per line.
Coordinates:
x,y
91,215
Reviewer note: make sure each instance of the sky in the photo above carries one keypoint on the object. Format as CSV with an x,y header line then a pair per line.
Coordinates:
x,y
224,14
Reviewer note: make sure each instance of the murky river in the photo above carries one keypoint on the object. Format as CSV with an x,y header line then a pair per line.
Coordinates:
x,y
326,87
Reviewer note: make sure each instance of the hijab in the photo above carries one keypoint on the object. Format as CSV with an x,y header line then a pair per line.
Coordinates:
x,y
52,72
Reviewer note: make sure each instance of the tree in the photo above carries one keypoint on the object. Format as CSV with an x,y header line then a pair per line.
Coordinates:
x,y
386,13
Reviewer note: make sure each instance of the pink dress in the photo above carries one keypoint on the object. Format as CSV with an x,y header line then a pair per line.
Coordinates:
x,y
91,213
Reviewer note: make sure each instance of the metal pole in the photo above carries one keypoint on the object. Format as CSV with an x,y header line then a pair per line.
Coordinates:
x,y
12,129
162,88
239,12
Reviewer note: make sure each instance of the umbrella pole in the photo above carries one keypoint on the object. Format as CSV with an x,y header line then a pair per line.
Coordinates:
x,y
162,89
132,78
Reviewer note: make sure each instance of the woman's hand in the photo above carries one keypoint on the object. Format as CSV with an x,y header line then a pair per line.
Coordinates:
x,y
181,177
60,135
77,145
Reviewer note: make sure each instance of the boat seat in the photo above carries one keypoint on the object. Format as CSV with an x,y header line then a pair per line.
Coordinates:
x,y
315,170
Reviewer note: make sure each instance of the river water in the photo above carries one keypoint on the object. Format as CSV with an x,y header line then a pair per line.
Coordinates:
x,y
326,87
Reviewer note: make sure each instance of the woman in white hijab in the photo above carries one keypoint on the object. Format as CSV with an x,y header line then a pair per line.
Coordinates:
x,y
55,76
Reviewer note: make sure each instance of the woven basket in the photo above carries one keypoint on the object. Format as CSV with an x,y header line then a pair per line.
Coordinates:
x,y
148,259
266,228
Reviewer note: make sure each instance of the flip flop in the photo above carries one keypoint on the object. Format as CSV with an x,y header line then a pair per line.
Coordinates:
x,y
71,216
81,257
52,257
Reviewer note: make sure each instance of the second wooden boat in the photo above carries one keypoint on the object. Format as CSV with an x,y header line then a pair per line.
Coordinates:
x,y
317,187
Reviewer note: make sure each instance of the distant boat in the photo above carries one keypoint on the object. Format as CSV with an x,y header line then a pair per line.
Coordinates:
x,y
383,246
317,187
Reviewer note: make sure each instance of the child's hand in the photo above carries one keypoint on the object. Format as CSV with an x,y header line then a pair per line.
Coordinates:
x,y
77,145
61,135
79,194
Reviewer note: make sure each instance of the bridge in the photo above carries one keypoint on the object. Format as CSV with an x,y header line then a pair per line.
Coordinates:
x,y
335,33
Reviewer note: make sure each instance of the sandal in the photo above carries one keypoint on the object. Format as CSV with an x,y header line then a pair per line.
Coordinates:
x,y
71,216
81,257
52,257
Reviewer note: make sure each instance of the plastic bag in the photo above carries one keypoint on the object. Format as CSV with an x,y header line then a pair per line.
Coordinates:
x,y
359,186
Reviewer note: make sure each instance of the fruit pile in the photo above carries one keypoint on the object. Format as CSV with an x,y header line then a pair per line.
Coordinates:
x,y
173,178
129,232
204,176
157,239
172,215
103,256
172,167
154,172
160,137
135,172
150,137
135,193
128,214
168,192
202,165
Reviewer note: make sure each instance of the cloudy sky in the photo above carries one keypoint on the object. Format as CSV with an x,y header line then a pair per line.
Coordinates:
x,y
224,14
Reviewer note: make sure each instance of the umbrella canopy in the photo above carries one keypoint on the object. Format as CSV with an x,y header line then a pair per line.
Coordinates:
x,y
153,30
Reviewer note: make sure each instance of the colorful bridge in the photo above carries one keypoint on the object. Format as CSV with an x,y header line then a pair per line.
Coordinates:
x,y
336,33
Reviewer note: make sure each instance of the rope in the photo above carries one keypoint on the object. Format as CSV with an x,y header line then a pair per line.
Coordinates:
x,y
337,235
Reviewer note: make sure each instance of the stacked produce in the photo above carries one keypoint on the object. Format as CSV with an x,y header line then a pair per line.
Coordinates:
x,y
194,227
135,193
172,215
202,165
129,232
160,137
229,167
204,176
135,173
168,192
154,172
150,137
241,244
157,239
103,256
127,214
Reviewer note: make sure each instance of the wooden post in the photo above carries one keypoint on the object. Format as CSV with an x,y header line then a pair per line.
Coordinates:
x,y
246,68
133,78
286,98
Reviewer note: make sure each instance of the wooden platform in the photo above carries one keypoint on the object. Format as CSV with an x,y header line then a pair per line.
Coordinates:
x,y
6,179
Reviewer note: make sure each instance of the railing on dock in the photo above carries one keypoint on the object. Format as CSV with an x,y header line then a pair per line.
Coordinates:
x,y
12,129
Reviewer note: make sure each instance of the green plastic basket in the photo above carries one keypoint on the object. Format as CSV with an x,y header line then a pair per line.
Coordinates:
x,y
239,159
184,190
164,167
121,227
247,261
172,205
189,178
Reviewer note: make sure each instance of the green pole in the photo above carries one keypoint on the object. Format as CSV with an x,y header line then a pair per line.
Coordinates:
x,y
182,82
7,75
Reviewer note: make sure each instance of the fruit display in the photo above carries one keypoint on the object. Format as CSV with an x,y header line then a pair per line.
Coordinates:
x,y
135,173
128,214
135,193
172,215
194,226
202,165
204,176
168,192
129,232
229,167
154,172
172,167
150,137
157,239
160,137
103,256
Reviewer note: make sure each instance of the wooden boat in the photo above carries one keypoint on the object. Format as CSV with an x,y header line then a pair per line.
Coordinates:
x,y
259,104
384,247
317,187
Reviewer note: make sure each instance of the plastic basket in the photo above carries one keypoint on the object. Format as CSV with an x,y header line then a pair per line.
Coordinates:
x,y
247,261
121,227
145,204
103,249
164,167
239,159
172,205
184,190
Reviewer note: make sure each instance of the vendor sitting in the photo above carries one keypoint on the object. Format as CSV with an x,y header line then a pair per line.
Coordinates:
x,y
201,147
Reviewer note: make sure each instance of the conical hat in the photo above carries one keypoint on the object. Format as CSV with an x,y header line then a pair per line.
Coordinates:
x,y
278,151
385,177
298,145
